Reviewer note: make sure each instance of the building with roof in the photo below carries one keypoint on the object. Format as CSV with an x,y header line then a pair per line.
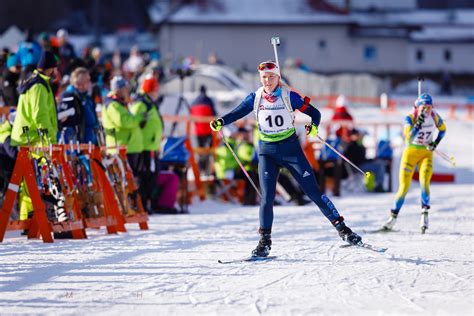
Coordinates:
x,y
380,37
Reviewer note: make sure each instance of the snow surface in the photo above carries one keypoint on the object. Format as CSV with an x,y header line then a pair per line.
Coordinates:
x,y
172,268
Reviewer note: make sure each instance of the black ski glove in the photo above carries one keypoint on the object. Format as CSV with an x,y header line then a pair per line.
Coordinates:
x,y
432,146
420,120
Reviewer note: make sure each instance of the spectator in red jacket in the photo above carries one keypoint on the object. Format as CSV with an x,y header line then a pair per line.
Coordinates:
x,y
203,106
343,117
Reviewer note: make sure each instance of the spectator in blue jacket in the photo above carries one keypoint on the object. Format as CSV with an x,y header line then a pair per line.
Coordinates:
x,y
76,112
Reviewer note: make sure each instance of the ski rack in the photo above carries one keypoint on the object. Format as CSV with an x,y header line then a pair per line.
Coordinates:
x,y
140,216
110,219
39,225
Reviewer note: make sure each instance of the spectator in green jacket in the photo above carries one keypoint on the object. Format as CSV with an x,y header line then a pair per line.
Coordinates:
x,y
121,126
36,109
36,104
145,104
225,163
246,153
226,167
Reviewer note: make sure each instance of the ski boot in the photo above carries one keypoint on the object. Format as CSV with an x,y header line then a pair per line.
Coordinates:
x,y
390,222
264,245
345,232
424,218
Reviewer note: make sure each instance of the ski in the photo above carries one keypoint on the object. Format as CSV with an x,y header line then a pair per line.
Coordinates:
x,y
365,246
248,259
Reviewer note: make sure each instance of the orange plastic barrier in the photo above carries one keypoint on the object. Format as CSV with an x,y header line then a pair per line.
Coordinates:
x,y
140,217
39,226
39,223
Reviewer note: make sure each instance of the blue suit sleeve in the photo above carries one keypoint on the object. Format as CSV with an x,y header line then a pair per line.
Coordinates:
x,y
297,102
241,110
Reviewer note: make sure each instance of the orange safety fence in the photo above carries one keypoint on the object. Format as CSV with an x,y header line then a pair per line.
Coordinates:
x,y
110,214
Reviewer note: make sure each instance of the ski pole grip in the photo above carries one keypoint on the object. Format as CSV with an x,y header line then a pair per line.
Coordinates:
x,y
25,129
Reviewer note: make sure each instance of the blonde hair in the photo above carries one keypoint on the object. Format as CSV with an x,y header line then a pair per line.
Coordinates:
x,y
76,73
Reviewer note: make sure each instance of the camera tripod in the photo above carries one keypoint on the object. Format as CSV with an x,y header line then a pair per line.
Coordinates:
x,y
181,100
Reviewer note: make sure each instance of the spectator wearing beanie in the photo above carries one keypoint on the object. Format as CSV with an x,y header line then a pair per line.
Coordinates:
x,y
121,126
36,109
146,104
10,80
342,118
29,54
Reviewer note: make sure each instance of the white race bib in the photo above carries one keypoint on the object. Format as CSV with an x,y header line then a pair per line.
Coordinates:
x,y
274,117
425,134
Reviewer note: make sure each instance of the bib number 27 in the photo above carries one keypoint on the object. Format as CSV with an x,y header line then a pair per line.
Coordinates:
x,y
422,136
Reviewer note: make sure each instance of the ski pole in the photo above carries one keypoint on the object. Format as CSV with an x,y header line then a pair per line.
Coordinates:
x,y
446,157
276,42
420,79
240,164
367,174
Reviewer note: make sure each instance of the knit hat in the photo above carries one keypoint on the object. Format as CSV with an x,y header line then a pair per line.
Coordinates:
x,y
62,33
117,83
12,61
424,99
48,60
150,84
269,66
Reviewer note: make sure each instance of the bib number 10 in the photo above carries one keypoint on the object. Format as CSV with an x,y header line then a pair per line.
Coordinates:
x,y
278,120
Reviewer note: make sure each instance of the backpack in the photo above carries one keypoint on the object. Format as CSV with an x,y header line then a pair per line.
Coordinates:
x,y
384,150
327,153
174,150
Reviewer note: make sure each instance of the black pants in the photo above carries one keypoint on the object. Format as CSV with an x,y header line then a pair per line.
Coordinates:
x,y
7,163
204,141
135,161
147,178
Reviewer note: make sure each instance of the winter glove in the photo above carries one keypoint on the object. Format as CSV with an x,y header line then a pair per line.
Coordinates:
x,y
420,120
216,125
432,146
311,129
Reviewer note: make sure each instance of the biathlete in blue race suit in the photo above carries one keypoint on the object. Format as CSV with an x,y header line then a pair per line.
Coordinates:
x,y
273,105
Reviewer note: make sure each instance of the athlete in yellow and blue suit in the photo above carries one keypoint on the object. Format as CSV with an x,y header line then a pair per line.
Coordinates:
x,y
420,127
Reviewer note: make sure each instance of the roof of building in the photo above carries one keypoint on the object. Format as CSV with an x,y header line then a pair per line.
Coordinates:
x,y
258,12
426,25
443,34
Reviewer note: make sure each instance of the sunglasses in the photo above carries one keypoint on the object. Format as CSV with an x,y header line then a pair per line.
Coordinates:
x,y
268,66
